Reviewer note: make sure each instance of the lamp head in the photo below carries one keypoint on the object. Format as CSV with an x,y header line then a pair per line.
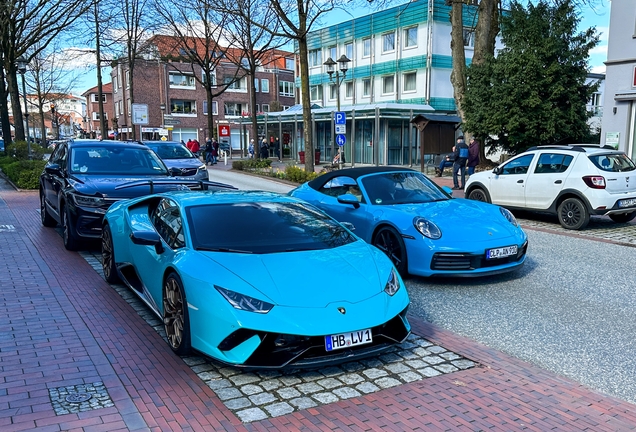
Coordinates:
x,y
343,63
21,63
330,66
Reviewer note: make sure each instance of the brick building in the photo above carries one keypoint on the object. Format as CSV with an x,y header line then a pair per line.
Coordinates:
x,y
92,127
176,101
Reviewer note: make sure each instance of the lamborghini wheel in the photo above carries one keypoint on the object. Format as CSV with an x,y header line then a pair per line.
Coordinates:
x,y
108,256
175,315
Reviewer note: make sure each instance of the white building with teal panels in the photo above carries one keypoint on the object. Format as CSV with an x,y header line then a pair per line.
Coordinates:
x,y
400,63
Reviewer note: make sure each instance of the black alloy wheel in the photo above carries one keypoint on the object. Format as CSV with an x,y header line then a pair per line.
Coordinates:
x,y
71,242
390,242
47,219
573,214
478,194
108,256
175,315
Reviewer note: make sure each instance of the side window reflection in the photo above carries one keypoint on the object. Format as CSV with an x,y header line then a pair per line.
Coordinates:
x,y
168,222
519,165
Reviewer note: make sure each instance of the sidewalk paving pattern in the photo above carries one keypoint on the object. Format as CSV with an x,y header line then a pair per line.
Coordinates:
x,y
65,329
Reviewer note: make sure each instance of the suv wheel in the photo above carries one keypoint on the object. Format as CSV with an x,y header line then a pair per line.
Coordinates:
x,y
573,214
71,242
622,217
478,194
47,219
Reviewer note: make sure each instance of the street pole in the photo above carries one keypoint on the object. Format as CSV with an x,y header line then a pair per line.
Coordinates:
x,y
343,66
22,68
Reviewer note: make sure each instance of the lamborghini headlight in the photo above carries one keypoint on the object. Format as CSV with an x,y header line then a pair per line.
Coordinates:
x,y
393,284
88,201
509,216
243,302
427,228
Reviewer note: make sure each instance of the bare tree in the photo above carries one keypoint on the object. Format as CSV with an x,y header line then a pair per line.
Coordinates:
x,y
29,26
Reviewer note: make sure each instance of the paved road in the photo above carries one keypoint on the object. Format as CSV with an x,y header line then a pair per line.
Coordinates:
x,y
569,310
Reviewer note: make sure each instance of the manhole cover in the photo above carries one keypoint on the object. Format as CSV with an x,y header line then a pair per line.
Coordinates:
x,y
78,397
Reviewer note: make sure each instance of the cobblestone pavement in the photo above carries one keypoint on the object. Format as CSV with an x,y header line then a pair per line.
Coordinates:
x,y
270,393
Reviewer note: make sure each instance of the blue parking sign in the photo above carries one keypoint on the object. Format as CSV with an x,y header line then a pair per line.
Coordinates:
x,y
340,118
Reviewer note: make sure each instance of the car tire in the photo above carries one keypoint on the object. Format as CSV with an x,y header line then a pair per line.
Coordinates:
x,y
478,194
47,219
175,315
573,214
389,241
622,217
108,256
71,242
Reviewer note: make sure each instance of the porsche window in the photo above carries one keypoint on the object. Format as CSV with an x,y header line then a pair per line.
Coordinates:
x,y
115,160
401,188
338,186
263,227
167,220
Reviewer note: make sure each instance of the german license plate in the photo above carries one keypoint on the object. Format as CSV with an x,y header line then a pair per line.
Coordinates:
x,y
627,202
501,252
346,340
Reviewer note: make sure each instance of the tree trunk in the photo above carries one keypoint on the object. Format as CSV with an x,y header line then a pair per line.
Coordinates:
x,y
103,127
4,111
306,103
458,75
14,92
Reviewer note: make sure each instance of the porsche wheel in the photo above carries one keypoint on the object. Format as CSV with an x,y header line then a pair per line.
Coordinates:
x,y
622,217
390,242
573,214
108,256
175,315
47,219
478,194
71,242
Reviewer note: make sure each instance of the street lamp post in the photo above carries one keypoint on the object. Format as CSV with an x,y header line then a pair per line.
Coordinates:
x,y
337,79
21,63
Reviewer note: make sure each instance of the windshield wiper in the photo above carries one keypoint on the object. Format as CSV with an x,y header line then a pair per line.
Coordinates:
x,y
206,249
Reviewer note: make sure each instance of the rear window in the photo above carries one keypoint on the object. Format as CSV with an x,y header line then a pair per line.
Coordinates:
x,y
613,162
263,227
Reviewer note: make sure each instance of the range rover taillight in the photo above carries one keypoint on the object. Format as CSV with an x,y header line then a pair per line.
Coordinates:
x,y
595,182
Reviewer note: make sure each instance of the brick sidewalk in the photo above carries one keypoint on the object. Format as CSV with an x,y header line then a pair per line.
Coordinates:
x,y
63,326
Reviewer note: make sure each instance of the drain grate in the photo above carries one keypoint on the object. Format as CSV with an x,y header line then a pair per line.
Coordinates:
x,y
79,398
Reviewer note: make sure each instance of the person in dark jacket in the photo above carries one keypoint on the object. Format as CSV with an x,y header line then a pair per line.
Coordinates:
x,y
461,156
264,149
446,162
473,156
209,157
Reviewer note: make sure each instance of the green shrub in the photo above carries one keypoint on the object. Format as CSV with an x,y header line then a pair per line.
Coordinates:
x,y
25,174
251,164
298,175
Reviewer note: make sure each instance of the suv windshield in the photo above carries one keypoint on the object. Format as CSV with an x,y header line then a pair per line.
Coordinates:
x,y
613,162
115,160
263,227
171,151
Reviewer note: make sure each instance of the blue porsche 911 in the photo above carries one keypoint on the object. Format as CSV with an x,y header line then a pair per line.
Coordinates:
x,y
419,225
255,279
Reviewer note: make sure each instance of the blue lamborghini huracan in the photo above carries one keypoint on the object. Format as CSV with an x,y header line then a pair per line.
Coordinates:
x,y
419,225
255,279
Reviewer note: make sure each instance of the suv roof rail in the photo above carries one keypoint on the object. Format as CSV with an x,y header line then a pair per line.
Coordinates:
x,y
557,147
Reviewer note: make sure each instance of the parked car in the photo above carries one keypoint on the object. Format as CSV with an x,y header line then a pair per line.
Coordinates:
x,y
420,226
281,284
1,144
83,178
572,182
181,161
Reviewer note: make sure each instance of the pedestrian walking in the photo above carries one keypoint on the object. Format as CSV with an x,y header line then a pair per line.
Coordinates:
x,y
473,155
461,156
250,149
209,158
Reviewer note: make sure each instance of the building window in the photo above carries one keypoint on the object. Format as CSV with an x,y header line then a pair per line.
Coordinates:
x,y
177,79
333,92
316,92
116,110
388,42
469,37
119,81
388,84
265,108
286,88
96,116
265,85
129,107
410,37
95,97
115,85
366,87
233,109
127,79
204,78
349,89
290,64
215,107
257,110
315,58
349,51
233,83
333,52
410,82
178,106
256,87
366,47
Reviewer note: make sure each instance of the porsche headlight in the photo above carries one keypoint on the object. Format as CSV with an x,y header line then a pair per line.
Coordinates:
x,y
427,228
88,201
393,284
243,302
509,216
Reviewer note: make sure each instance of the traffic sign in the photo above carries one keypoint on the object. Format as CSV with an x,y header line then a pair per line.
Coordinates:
x,y
341,140
340,118
171,122
341,129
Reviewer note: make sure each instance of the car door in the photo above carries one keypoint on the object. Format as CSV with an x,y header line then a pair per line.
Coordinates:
x,y
547,179
342,185
507,186
53,183
167,220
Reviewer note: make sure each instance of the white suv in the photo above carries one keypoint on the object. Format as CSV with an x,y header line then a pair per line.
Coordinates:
x,y
571,181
